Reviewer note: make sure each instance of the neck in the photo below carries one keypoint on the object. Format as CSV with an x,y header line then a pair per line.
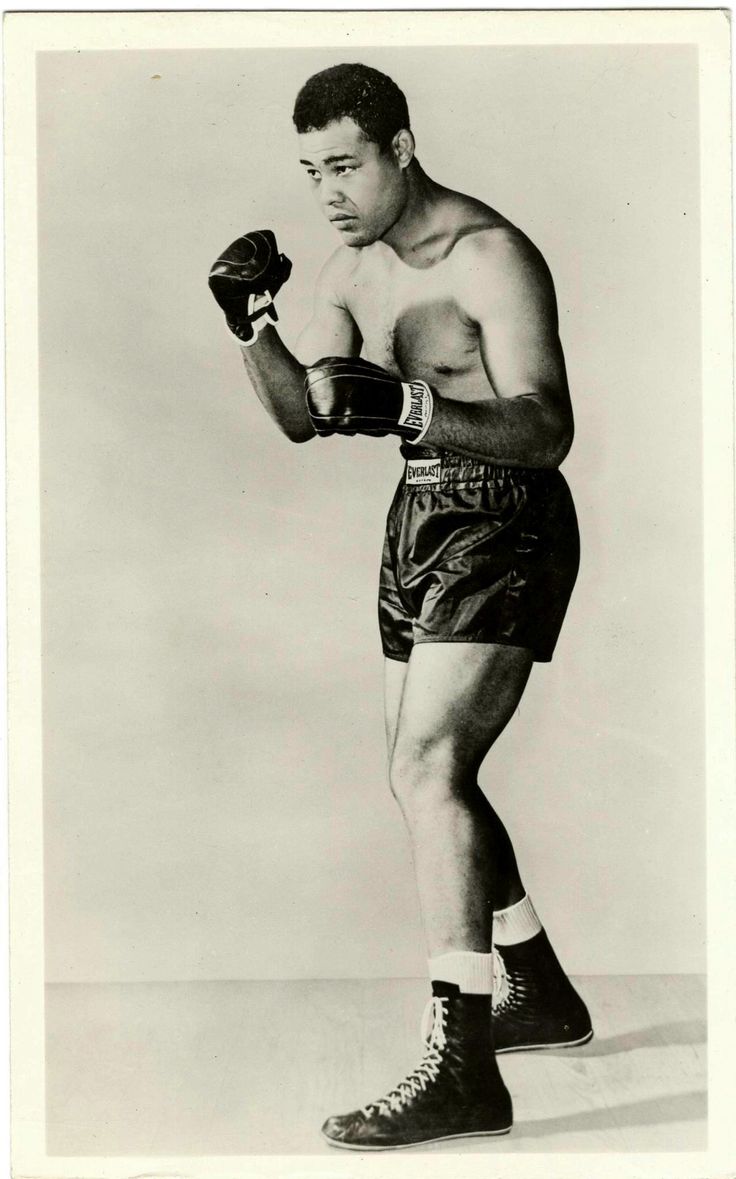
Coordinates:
x,y
415,219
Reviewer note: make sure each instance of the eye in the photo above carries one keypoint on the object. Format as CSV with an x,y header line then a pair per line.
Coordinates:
x,y
344,169
312,173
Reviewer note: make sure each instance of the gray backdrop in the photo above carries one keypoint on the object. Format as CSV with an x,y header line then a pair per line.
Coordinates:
x,y
215,797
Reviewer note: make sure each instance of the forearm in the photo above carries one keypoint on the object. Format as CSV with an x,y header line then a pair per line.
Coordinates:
x,y
278,380
519,431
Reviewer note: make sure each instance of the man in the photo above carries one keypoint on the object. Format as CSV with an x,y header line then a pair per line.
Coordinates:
x,y
453,310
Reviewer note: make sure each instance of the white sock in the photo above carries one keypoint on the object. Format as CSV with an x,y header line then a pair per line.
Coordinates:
x,y
516,924
470,971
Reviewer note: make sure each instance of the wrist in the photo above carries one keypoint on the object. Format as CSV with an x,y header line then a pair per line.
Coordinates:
x,y
246,331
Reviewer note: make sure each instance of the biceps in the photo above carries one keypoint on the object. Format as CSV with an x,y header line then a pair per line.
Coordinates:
x,y
523,357
332,331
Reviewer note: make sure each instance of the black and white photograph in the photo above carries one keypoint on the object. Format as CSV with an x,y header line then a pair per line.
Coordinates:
x,y
370,529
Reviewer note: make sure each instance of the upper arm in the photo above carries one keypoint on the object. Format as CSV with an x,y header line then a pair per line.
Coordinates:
x,y
508,292
332,331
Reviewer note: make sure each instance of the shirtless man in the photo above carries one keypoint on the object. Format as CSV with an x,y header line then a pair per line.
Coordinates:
x,y
435,320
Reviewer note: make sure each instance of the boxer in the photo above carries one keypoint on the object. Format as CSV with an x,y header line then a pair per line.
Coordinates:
x,y
435,321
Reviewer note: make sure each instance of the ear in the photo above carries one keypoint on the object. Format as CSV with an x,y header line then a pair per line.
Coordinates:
x,y
402,146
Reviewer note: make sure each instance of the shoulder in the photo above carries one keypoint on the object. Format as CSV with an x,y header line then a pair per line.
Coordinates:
x,y
500,263
338,273
500,247
484,240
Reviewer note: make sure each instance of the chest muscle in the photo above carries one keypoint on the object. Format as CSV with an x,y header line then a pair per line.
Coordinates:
x,y
412,326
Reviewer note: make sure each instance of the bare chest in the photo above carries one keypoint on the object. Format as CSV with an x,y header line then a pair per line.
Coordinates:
x,y
413,325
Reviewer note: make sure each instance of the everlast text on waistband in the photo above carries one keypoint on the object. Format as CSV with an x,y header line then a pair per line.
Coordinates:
x,y
422,472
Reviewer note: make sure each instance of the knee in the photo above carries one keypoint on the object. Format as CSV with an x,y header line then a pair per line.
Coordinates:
x,y
427,772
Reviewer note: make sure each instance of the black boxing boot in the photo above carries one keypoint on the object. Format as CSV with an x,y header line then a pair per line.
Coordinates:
x,y
534,1003
453,1093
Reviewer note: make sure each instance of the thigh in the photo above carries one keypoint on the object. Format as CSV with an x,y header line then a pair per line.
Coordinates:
x,y
393,689
460,694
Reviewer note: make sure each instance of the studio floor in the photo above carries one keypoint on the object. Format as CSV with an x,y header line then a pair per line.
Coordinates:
x,y
226,1068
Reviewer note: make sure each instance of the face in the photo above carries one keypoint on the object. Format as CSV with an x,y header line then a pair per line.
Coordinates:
x,y
360,189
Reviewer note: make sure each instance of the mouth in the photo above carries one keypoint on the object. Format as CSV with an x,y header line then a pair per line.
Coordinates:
x,y
342,218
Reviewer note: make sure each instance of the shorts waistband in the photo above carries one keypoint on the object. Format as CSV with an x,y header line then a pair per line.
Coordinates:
x,y
427,467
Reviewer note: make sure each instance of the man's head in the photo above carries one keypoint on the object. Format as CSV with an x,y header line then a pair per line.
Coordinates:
x,y
357,92
356,145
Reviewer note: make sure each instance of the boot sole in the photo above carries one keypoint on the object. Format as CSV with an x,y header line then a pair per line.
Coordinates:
x,y
542,1047
423,1142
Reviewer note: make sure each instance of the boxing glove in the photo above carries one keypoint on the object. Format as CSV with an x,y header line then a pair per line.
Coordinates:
x,y
349,395
245,280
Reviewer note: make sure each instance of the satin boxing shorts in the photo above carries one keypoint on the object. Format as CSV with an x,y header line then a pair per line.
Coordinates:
x,y
476,553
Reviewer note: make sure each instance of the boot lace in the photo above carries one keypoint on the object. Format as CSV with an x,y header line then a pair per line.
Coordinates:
x,y
501,981
433,1035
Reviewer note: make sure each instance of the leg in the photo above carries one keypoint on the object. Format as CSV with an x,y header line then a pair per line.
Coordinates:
x,y
451,701
509,888
456,700
535,1005
393,689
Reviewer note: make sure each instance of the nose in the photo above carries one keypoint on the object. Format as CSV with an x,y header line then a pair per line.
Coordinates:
x,y
331,193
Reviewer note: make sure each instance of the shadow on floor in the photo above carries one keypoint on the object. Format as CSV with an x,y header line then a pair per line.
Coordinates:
x,y
677,1107
687,1031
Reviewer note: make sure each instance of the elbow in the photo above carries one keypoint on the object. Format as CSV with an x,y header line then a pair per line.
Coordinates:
x,y
556,431
562,443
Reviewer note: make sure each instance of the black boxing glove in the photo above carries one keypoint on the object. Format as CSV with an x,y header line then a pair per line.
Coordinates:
x,y
245,280
349,395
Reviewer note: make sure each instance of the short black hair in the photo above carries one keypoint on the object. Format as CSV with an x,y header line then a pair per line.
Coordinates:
x,y
352,91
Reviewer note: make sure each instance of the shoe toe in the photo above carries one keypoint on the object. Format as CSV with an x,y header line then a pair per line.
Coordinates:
x,y
339,1127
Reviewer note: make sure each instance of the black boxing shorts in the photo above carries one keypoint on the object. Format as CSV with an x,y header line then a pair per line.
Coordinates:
x,y
476,553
